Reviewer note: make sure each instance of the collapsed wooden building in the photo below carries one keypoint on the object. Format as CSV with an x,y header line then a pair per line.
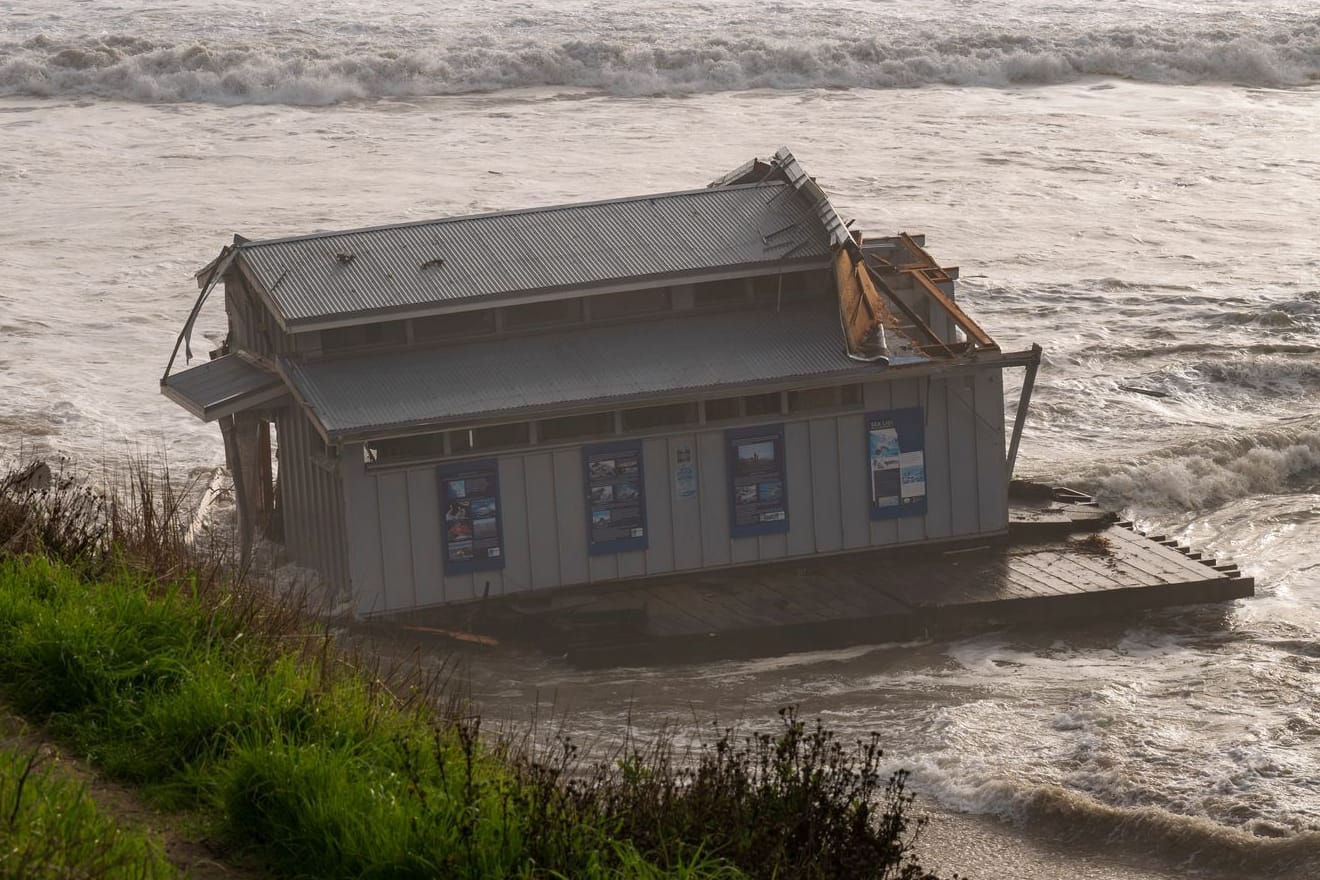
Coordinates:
x,y
433,412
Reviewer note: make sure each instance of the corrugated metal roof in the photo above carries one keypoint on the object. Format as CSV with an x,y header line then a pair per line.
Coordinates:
x,y
398,391
222,387
391,269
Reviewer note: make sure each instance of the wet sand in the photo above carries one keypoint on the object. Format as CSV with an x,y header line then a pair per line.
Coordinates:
x,y
983,848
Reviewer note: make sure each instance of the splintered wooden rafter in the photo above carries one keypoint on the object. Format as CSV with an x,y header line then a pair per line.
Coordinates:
x,y
934,345
865,300
860,305
927,274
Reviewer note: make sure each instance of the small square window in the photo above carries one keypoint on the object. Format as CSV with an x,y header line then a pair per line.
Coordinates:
x,y
405,448
364,336
544,314
597,424
652,417
809,399
723,409
714,294
763,404
628,303
456,325
781,291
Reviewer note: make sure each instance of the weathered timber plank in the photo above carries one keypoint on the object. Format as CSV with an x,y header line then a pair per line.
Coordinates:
x,y
1110,570
716,603
1075,577
1031,573
690,608
1154,560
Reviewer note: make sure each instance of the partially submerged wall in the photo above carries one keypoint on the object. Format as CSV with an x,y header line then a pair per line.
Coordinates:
x,y
402,554
311,502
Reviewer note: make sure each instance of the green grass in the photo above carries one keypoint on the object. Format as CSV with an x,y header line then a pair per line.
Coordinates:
x,y
314,763
306,765
51,830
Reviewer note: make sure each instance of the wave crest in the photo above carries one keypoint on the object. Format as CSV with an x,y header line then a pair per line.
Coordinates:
x,y
1264,850
139,69
1211,472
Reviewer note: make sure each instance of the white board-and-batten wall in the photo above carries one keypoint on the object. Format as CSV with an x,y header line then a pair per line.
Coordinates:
x,y
394,515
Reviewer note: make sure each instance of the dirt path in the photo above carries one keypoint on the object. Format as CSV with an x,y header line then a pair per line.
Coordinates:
x,y
192,855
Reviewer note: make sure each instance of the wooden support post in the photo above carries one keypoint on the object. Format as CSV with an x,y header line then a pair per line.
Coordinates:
x,y
234,459
1020,419
265,478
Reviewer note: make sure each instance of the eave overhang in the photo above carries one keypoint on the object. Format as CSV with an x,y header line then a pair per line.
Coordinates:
x,y
222,387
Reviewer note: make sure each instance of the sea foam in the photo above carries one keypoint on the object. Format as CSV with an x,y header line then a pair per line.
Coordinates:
x,y
328,69
1209,472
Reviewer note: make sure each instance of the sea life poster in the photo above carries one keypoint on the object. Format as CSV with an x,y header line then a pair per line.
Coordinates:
x,y
896,462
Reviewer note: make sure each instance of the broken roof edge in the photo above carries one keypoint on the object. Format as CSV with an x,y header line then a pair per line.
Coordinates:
x,y
754,170
787,169
804,183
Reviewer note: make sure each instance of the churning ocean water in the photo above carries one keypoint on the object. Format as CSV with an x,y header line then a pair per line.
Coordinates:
x,y
1135,186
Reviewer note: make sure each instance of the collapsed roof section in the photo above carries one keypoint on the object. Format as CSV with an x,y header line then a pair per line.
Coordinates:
x,y
869,308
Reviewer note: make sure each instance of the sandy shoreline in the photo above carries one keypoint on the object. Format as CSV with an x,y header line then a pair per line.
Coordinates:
x,y
983,848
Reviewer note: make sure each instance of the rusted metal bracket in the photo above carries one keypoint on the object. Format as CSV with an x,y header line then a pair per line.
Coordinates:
x,y
1020,419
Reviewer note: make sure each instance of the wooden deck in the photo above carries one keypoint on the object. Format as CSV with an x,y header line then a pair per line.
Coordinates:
x,y
1061,562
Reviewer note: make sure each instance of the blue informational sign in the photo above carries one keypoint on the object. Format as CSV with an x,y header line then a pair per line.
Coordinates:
x,y
616,497
758,490
470,501
896,459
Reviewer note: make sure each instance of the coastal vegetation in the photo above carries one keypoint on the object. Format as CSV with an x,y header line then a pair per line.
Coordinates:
x,y
50,829
301,756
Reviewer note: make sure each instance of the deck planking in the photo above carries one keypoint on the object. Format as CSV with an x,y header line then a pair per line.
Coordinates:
x,y
867,596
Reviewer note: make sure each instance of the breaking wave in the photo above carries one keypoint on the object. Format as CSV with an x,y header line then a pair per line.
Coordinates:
x,y
1213,471
159,70
1261,849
